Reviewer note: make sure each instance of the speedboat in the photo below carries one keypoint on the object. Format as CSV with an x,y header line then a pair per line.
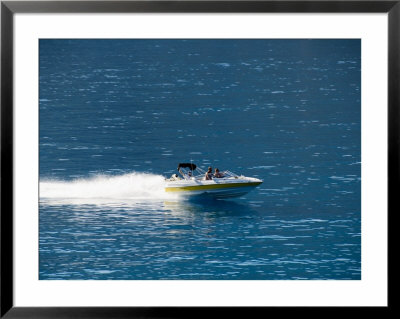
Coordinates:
x,y
193,182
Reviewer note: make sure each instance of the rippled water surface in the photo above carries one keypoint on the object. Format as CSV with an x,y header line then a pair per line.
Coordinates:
x,y
116,116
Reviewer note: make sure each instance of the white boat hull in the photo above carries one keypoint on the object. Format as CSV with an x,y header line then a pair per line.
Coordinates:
x,y
218,187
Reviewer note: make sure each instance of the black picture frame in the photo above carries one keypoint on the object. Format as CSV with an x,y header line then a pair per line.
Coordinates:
x,y
9,8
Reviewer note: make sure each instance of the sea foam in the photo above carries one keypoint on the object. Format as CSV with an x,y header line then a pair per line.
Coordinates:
x,y
131,186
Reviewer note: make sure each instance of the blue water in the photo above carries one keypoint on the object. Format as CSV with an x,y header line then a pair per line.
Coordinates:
x,y
116,116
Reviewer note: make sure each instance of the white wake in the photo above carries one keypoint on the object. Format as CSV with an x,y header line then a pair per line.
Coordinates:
x,y
131,186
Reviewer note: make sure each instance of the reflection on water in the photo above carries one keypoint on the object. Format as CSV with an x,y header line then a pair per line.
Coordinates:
x,y
208,206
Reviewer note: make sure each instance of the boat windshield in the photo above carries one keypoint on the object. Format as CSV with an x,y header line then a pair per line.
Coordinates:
x,y
199,174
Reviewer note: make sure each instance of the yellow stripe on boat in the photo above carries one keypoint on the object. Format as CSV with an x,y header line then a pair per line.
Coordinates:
x,y
206,187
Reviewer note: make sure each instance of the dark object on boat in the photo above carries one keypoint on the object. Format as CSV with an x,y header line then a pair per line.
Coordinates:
x,y
191,166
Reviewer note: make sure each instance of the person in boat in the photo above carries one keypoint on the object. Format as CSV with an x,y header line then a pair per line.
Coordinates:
x,y
190,174
218,174
208,174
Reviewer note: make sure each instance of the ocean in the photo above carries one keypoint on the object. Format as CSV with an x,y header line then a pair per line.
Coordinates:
x,y
118,115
